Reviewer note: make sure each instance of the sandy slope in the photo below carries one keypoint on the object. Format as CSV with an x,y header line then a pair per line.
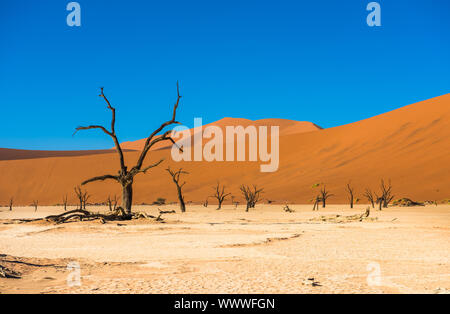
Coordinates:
x,y
408,145
231,251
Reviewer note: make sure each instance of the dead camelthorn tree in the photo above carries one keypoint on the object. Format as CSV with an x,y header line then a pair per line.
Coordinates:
x,y
251,196
370,197
64,199
386,193
379,200
82,196
86,196
125,176
317,200
176,179
205,204
35,205
324,195
112,202
351,196
11,201
235,203
219,194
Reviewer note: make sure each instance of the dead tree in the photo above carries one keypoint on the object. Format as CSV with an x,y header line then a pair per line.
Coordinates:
x,y
386,193
35,205
205,204
220,194
86,196
351,195
317,200
82,196
370,197
324,195
235,203
11,200
176,179
125,176
251,196
109,201
112,202
64,199
379,200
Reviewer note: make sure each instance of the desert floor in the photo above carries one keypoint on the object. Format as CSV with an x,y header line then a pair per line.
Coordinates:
x,y
406,250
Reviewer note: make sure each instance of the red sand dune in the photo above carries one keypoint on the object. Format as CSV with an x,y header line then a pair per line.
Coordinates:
x,y
408,145
286,127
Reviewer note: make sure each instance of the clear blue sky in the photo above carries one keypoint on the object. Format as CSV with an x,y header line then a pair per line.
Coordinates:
x,y
305,60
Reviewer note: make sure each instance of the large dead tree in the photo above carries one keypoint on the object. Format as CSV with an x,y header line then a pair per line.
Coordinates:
x,y
220,195
251,195
176,179
351,195
125,176
370,197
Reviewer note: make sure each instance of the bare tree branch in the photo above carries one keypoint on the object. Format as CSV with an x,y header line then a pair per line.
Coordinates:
x,y
100,178
111,133
149,167
148,142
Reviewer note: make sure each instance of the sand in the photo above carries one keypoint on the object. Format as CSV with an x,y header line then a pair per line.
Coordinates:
x,y
230,251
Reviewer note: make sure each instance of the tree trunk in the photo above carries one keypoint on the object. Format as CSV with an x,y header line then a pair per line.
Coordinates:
x,y
220,205
127,198
323,202
381,205
180,198
351,202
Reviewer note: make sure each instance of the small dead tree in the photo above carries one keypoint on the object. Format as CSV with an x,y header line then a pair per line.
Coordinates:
x,y
176,179
86,197
370,197
112,202
235,203
205,204
386,193
351,195
82,196
109,201
379,200
324,195
64,199
35,205
251,195
219,194
125,176
11,201
317,201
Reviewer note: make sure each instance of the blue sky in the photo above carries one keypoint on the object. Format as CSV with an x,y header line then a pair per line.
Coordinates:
x,y
304,60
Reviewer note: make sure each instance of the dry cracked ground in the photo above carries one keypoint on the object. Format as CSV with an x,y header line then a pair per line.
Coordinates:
x,y
398,250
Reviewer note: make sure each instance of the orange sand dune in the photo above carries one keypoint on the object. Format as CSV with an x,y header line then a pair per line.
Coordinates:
x,y
408,145
286,127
